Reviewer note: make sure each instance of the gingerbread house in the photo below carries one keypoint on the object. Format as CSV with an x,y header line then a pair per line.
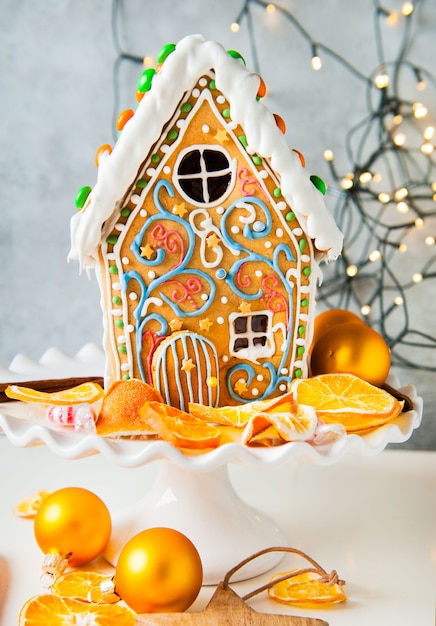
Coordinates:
x,y
206,232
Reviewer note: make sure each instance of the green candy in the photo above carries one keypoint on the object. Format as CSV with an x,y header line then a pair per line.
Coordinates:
x,y
155,158
145,80
236,55
243,140
277,192
302,244
186,107
82,196
113,269
116,300
305,302
301,330
141,183
290,216
300,350
256,159
226,113
119,323
212,85
319,184
125,212
298,373
165,52
112,239
173,134
122,349
307,271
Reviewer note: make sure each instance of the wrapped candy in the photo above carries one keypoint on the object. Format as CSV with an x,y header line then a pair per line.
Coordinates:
x,y
80,416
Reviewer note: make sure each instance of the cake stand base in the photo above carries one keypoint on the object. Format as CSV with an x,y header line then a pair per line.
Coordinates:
x,y
204,506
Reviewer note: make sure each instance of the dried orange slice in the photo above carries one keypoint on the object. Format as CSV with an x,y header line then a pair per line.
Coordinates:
x,y
282,422
305,589
86,392
29,506
348,400
77,584
238,415
57,611
180,429
119,413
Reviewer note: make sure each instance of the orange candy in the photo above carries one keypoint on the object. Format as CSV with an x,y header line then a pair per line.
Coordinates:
x,y
102,150
280,123
123,118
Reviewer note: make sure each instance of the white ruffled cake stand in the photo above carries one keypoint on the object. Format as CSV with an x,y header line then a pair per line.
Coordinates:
x,y
192,494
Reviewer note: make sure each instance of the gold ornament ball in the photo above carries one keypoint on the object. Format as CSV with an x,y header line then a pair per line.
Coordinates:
x,y
74,523
159,571
352,348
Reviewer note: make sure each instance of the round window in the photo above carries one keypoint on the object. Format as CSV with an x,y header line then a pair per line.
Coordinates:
x,y
204,174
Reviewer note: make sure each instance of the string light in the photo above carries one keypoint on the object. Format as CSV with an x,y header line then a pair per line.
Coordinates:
x,y
376,223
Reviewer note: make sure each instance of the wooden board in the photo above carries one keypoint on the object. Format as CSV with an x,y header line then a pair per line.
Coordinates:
x,y
226,608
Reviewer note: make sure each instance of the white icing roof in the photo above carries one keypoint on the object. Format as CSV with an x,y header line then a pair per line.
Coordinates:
x,y
192,58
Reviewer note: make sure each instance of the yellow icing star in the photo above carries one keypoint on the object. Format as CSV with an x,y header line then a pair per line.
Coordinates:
x,y
179,209
245,307
147,251
187,365
205,324
175,324
221,135
213,240
240,386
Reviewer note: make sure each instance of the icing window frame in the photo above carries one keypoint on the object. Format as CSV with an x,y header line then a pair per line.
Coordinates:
x,y
203,175
248,342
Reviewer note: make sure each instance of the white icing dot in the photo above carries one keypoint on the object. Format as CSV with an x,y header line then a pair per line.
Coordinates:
x,y
111,256
125,260
279,232
116,286
119,227
121,339
180,123
235,230
259,377
255,391
224,299
195,92
258,273
165,147
202,82
305,258
135,199
167,169
220,320
220,210
117,312
151,274
283,388
297,231
133,295
205,128
151,171
220,99
268,244
282,206
204,296
263,174
125,367
225,358
284,371
130,328
232,125
143,213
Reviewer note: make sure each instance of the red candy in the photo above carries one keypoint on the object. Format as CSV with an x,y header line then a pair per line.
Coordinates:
x,y
81,416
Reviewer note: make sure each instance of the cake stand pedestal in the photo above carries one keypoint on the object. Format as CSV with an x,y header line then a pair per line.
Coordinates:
x,y
204,506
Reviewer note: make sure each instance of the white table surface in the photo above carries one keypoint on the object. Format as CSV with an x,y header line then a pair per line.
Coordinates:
x,y
373,519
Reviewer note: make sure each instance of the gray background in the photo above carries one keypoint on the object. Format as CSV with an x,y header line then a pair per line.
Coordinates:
x,y
56,108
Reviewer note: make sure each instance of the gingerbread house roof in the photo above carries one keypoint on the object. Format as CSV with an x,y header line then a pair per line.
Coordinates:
x,y
192,58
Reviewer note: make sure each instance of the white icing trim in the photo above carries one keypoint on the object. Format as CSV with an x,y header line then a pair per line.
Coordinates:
x,y
192,58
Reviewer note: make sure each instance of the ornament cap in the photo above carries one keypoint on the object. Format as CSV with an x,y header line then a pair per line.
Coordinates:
x,y
104,593
53,565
